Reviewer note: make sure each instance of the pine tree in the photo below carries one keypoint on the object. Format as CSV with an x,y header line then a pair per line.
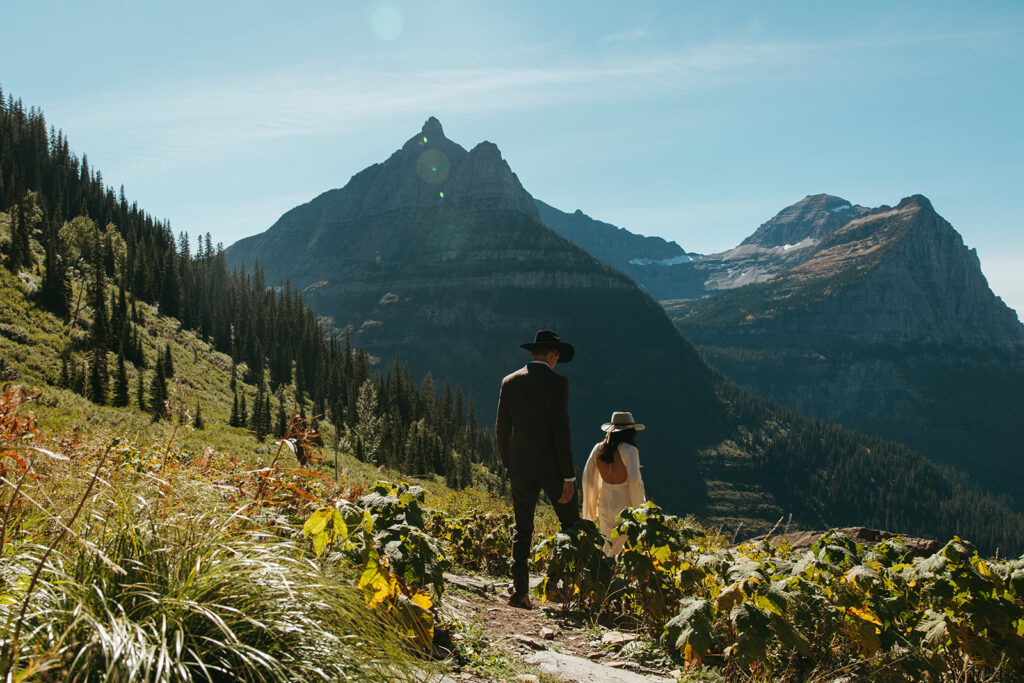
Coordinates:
x,y
233,420
168,362
261,410
170,290
121,383
120,329
282,421
20,254
99,380
243,413
55,291
267,417
140,390
158,394
198,422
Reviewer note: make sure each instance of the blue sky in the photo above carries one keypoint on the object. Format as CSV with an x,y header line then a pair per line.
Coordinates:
x,y
692,121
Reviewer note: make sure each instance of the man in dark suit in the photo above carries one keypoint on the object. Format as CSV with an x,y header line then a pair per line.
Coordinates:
x,y
532,430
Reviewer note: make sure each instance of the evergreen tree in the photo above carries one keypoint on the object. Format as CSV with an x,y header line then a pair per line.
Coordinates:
x,y
99,380
233,420
261,410
120,327
140,390
56,290
243,412
19,255
282,421
170,290
267,417
121,383
465,471
198,422
158,394
168,362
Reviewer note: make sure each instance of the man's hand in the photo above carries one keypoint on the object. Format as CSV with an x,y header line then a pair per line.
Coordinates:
x,y
568,491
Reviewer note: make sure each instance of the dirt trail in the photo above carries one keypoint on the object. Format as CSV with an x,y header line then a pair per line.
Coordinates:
x,y
546,642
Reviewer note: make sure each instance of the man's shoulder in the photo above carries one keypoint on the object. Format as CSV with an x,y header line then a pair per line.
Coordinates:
x,y
512,376
532,373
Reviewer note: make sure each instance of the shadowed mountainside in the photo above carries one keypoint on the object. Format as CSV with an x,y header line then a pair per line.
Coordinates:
x,y
440,254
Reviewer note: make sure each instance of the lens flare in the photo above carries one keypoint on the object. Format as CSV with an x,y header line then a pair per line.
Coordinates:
x,y
387,23
432,166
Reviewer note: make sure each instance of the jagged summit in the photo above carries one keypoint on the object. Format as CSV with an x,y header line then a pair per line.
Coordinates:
x,y
814,217
916,200
432,128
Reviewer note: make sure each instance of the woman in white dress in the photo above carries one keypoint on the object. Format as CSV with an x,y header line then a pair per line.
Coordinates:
x,y
611,478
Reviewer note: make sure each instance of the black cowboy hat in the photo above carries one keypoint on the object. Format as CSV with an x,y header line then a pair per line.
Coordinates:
x,y
546,339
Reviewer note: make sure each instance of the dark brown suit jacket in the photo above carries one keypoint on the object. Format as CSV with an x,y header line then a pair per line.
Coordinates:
x,y
533,424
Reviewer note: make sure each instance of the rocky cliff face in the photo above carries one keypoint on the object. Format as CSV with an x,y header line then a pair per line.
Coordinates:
x,y
815,217
890,275
925,287
886,325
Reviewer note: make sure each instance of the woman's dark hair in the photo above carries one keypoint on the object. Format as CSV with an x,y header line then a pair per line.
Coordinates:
x,y
611,443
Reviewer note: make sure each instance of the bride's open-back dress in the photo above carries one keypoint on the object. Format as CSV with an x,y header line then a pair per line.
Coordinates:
x,y
603,501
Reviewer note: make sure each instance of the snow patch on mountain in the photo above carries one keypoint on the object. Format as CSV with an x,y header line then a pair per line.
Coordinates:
x,y
675,261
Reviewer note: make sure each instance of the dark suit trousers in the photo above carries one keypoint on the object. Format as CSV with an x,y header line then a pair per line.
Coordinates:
x,y
525,493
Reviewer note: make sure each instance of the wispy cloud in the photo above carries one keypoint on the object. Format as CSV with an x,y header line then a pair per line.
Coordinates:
x,y
188,121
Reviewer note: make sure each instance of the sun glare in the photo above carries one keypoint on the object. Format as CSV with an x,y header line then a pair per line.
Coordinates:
x,y
387,22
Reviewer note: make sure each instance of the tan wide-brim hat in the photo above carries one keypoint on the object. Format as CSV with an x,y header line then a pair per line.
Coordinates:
x,y
621,421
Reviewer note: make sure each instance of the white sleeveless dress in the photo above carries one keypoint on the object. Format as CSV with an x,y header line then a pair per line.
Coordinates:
x,y
603,501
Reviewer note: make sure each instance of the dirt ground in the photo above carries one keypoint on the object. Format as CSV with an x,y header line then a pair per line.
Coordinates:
x,y
486,627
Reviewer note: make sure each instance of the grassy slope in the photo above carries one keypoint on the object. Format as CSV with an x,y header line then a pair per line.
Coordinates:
x,y
31,341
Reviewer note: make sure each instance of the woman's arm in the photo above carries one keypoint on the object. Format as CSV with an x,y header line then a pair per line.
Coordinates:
x,y
631,459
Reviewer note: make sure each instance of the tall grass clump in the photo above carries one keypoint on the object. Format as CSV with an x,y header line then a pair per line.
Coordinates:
x,y
146,597
113,571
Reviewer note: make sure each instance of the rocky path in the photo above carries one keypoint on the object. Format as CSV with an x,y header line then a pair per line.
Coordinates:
x,y
544,643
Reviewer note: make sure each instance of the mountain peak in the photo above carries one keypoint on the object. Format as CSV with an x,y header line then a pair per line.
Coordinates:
x,y
816,216
432,129
916,200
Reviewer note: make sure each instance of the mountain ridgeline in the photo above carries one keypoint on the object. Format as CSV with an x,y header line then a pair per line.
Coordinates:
x,y
880,320
439,254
